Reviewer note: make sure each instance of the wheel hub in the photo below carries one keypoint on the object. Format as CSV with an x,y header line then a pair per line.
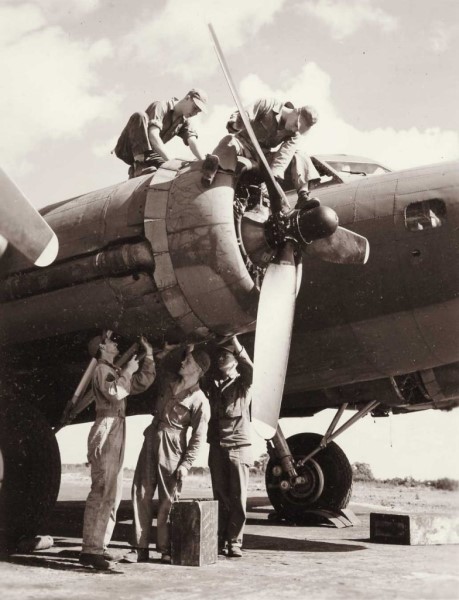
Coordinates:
x,y
309,484
306,487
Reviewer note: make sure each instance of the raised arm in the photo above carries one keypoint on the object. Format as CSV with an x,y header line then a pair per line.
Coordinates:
x,y
142,379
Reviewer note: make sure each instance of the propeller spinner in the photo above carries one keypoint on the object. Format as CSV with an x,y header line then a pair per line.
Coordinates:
x,y
316,232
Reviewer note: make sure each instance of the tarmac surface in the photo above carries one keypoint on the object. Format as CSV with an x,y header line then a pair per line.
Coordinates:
x,y
280,561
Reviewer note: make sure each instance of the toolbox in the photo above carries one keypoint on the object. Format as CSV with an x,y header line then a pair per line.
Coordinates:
x,y
194,532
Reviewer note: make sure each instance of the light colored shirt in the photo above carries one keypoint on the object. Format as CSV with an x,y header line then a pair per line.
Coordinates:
x,y
177,411
111,386
265,117
161,115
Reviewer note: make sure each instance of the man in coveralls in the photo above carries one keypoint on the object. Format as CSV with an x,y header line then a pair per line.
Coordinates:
x,y
166,456
106,442
230,453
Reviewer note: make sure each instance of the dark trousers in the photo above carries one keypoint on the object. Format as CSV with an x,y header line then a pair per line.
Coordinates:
x,y
134,141
229,470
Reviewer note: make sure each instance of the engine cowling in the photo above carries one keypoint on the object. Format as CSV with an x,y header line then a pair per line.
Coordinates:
x,y
146,255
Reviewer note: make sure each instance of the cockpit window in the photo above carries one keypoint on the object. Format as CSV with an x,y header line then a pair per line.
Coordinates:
x,y
362,169
425,215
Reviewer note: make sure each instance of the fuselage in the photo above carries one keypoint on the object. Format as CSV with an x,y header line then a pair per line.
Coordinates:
x,y
160,251
399,312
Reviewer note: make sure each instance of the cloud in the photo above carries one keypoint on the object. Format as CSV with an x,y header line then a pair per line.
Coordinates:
x,y
442,35
49,82
176,39
396,149
344,19
17,22
69,7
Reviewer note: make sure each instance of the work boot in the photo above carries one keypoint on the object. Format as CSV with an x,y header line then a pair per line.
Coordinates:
x,y
141,168
145,163
305,202
136,555
222,547
166,559
95,560
106,554
209,169
235,552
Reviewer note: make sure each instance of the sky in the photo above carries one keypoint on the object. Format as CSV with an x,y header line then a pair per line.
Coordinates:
x,y
421,445
382,75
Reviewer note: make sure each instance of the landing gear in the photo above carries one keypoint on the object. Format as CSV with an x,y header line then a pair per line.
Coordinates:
x,y
31,471
324,481
309,472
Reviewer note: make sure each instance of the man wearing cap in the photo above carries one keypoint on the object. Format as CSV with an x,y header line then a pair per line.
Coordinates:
x,y
230,452
166,456
111,387
279,127
142,142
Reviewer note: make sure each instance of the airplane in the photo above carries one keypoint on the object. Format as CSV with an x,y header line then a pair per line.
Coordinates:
x,y
160,253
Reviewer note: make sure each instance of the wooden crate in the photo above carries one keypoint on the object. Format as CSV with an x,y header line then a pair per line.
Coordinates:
x,y
194,531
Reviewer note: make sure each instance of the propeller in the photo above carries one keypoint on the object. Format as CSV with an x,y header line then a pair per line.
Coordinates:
x,y
314,231
276,309
23,227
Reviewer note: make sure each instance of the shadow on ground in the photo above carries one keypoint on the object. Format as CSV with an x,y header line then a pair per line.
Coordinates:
x,y
66,523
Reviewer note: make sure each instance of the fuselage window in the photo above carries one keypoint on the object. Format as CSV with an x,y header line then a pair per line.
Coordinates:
x,y
425,215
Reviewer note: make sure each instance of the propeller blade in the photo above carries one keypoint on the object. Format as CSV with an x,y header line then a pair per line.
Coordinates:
x,y
3,245
276,309
342,247
280,203
23,227
299,277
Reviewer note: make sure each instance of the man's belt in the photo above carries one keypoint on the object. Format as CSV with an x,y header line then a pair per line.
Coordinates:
x,y
110,412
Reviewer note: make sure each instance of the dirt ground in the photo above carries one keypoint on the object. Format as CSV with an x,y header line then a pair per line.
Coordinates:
x,y
280,561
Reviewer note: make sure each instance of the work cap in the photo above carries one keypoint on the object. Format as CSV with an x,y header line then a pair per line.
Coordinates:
x,y
199,97
201,358
309,114
94,344
226,348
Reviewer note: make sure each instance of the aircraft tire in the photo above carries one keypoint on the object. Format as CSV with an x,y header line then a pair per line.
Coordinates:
x,y
30,471
337,479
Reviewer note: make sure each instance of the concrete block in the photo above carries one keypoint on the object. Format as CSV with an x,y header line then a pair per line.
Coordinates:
x,y
415,529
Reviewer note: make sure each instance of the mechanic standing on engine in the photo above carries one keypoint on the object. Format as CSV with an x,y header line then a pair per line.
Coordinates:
x,y
279,128
230,452
106,442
